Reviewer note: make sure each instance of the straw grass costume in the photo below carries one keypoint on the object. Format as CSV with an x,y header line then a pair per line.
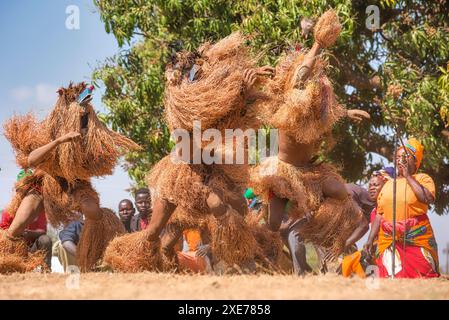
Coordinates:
x,y
62,179
207,86
303,106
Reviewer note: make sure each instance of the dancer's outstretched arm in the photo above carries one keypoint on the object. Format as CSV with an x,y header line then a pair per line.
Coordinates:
x,y
357,115
39,155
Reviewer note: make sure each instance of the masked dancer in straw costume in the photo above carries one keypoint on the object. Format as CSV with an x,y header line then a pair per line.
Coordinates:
x,y
303,107
217,86
65,150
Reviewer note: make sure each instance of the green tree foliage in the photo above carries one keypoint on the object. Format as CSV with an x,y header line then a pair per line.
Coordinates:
x,y
402,66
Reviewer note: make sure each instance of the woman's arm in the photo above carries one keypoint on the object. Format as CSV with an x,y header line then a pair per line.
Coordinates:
x,y
358,233
422,194
420,191
375,227
39,155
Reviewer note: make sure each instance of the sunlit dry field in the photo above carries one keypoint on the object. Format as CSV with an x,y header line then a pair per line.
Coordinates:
x,y
168,286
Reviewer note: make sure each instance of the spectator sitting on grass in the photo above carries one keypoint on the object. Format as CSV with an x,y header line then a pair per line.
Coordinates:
x,y
143,205
68,242
126,212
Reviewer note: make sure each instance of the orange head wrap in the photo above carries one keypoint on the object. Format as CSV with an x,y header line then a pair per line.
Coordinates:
x,y
416,149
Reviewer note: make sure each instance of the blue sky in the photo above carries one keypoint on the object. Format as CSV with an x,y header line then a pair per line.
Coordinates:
x,y
39,54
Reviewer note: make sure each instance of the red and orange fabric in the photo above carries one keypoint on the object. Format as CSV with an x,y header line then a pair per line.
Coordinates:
x,y
415,241
188,260
351,265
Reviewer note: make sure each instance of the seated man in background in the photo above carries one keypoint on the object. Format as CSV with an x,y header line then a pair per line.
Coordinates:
x,y
66,247
142,200
35,234
126,211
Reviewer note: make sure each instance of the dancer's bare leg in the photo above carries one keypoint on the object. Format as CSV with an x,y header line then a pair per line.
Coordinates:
x,y
216,205
162,211
30,208
90,208
276,212
239,204
171,236
332,188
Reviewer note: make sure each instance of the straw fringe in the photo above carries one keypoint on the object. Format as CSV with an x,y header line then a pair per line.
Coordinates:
x,y
15,256
222,66
24,134
302,186
306,113
327,29
134,253
95,237
333,220
269,243
332,224
188,186
232,239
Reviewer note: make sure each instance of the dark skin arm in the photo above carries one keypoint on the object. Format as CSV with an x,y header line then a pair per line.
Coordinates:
x,y
422,194
373,234
171,237
70,247
358,233
332,188
303,72
357,115
32,235
39,155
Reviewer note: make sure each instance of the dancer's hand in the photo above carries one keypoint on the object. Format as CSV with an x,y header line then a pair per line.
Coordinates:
x,y
203,250
368,247
68,137
358,115
266,71
249,77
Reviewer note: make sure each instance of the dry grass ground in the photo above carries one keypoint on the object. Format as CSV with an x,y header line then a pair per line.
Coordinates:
x,y
167,286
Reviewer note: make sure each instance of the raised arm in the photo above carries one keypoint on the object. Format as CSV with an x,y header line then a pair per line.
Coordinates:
x,y
325,33
422,194
303,71
39,155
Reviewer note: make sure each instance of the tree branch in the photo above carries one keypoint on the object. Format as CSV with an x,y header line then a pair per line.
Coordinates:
x,y
378,144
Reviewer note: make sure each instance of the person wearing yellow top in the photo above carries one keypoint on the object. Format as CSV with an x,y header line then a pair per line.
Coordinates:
x,y
416,249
